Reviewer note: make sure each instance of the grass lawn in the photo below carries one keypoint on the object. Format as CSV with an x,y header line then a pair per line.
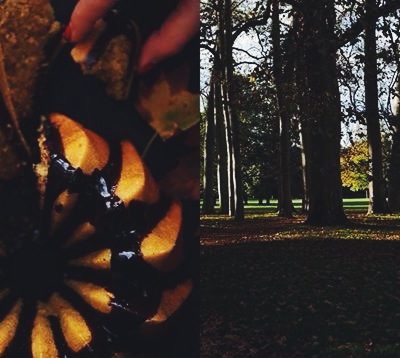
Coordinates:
x,y
273,287
356,204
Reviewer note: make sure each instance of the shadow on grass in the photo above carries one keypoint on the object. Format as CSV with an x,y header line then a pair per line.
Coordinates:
x,y
301,298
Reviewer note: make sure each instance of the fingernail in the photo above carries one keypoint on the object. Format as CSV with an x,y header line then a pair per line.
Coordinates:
x,y
67,34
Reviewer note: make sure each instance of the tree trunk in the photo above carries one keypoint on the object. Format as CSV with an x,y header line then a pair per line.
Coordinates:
x,y
237,169
377,202
222,46
235,122
394,161
326,207
285,197
302,112
304,139
231,114
223,113
222,145
209,153
229,147
394,173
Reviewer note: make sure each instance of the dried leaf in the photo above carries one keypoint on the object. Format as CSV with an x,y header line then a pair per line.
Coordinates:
x,y
111,66
25,27
167,105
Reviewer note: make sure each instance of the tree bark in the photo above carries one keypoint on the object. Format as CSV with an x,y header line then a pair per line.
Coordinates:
x,y
302,112
209,153
229,147
326,207
223,113
231,113
377,200
285,206
236,165
394,172
222,145
304,139
394,161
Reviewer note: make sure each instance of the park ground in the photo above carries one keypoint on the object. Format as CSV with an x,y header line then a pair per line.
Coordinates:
x,y
273,287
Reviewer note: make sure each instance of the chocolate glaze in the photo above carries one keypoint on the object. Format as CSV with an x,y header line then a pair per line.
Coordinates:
x,y
38,266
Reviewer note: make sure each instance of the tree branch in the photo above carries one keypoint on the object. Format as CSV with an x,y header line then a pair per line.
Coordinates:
x,y
357,28
246,63
252,23
247,53
209,48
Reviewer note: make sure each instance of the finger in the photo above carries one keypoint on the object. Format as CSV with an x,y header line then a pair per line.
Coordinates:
x,y
175,32
85,14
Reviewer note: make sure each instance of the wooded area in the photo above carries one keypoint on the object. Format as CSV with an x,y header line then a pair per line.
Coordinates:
x,y
278,119
300,229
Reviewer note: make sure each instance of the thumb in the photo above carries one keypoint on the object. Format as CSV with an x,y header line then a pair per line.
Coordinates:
x,y
175,32
84,16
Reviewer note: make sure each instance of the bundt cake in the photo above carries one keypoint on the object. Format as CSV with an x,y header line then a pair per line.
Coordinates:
x,y
104,260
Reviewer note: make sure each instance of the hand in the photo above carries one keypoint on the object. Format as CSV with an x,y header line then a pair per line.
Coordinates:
x,y
174,33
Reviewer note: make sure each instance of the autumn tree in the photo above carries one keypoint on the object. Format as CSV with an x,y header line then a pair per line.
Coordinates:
x,y
355,168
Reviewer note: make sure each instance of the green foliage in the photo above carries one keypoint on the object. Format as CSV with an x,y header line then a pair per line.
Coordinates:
x,y
259,133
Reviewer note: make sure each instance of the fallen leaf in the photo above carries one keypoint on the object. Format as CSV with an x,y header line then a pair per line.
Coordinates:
x,y
167,104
